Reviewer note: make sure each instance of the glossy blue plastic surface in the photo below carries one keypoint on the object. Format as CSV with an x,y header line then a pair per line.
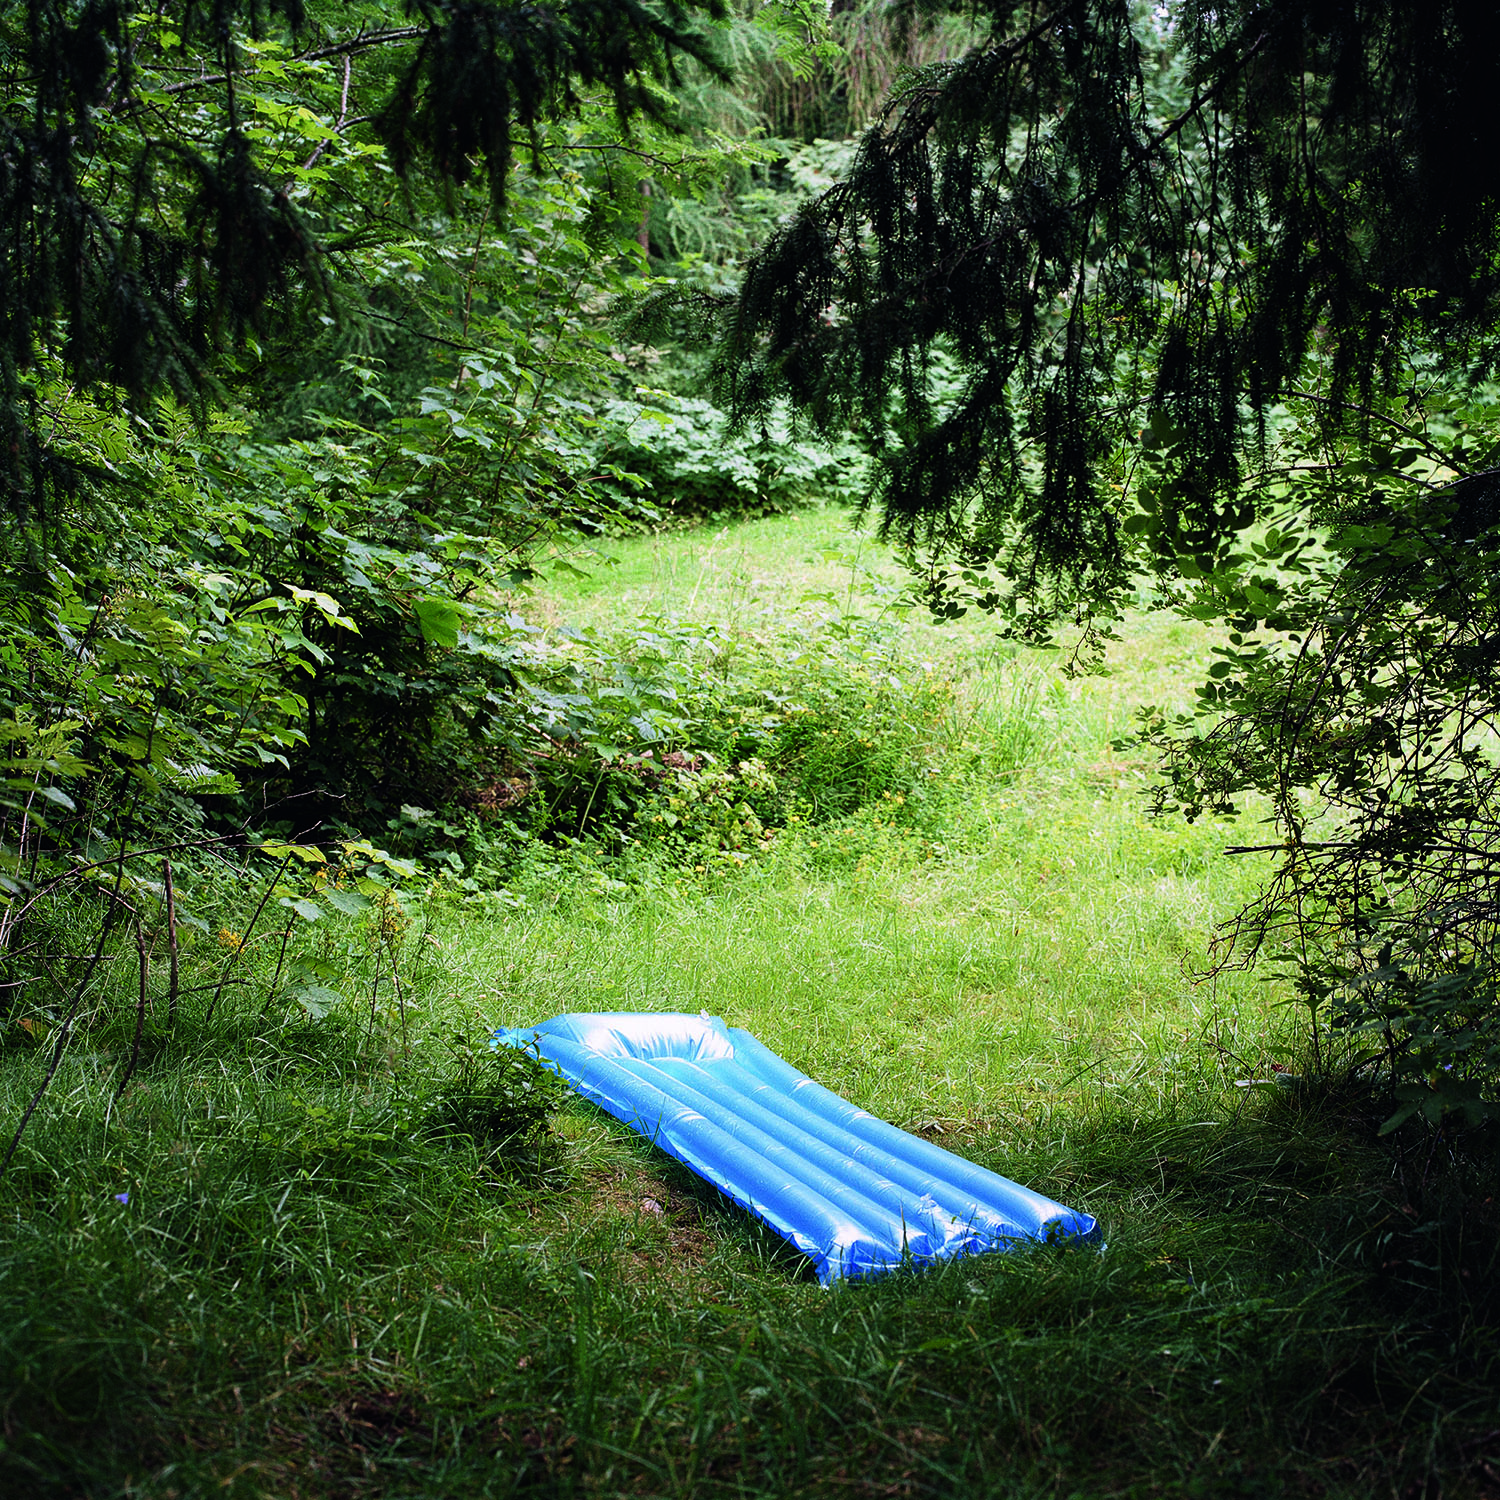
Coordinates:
x,y
857,1195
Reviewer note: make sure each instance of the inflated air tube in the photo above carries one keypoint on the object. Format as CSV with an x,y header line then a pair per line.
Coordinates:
x,y
855,1194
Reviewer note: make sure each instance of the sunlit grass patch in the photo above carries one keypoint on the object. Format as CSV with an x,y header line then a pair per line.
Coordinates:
x,y
293,1257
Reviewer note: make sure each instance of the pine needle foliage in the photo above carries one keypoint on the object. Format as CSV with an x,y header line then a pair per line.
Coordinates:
x,y
145,234
875,43
1107,212
483,69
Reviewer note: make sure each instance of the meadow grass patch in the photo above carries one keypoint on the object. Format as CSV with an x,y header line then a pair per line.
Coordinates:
x,y
288,1260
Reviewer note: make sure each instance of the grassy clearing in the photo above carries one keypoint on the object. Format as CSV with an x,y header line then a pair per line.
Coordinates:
x,y
315,1290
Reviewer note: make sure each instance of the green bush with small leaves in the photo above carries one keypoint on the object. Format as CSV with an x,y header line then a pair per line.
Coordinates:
x,y
500,1098
709,805
684,462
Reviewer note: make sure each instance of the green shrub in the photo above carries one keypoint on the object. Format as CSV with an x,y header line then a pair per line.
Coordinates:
x,y
686,463
852,740
702,742
500,1098
704,805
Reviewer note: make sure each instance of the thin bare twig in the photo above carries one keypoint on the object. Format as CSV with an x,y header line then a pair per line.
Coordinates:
x,y
65,1027
140,1011
234,957
286,934
172,971
338,126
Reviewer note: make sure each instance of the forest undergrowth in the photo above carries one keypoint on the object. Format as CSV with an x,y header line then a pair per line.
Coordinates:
x,y
321,1241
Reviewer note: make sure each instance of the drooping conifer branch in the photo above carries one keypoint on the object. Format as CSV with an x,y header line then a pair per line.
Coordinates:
x,y
1110,211
142,240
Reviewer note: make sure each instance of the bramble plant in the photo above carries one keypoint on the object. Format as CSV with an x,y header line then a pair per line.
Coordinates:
x,y
708,807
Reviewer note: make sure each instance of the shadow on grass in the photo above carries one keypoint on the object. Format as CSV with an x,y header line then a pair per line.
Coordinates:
x,y
304,1291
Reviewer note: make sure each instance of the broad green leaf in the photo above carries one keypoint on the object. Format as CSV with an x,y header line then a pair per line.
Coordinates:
x,y
307,853
316,999
351,903
439,621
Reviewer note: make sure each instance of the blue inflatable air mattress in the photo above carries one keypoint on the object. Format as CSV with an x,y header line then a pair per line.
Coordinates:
x,y
855,1194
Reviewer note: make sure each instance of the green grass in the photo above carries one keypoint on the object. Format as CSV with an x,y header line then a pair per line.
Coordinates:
x,y
313,1292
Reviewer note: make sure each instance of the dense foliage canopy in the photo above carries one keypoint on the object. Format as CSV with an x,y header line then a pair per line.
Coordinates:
x,y
281,389
155,212
1106,213
1210,292
303,366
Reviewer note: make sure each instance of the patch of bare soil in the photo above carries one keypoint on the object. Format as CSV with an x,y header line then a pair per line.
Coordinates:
x,y
667,1234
